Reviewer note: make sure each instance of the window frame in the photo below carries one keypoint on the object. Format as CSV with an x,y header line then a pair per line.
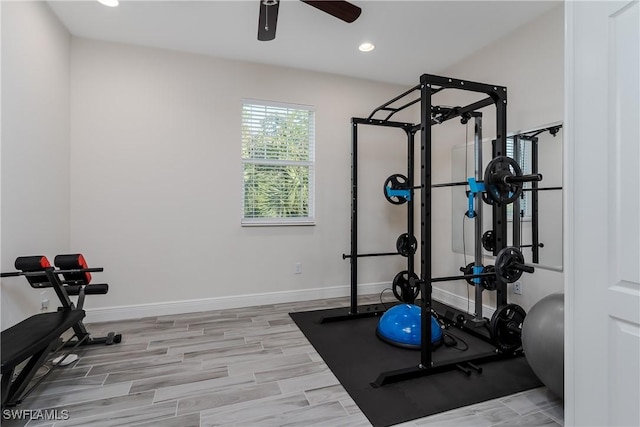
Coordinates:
x,y
525,164
309,164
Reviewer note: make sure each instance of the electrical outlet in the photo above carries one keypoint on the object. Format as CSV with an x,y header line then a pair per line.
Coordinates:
x,y
297,269
45,305
517,288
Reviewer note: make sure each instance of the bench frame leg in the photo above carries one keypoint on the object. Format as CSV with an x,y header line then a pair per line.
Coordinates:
x,y
13,392
15,389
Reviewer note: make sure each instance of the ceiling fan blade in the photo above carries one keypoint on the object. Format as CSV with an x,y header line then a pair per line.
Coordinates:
x,y
268,20
344,10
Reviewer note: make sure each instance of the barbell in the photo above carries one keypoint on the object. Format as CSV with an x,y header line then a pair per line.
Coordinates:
x,y
508,268
503,180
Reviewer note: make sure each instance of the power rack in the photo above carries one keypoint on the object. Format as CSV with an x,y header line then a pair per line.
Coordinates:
x,y
431,115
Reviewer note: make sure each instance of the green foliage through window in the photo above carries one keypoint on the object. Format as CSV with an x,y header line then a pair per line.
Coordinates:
x,y
277,157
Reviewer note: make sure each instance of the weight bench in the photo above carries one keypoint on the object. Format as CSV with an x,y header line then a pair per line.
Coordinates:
x,y
35,338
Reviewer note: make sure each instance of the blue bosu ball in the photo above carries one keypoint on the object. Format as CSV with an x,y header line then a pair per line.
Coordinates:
x,y
400,326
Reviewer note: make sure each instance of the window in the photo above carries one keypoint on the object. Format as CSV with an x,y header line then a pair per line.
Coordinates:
x,y
524,160
277,163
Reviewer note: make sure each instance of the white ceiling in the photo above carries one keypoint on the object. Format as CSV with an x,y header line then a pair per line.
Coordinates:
x,y
411,37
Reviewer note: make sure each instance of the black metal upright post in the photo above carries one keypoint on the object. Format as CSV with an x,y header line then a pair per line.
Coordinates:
x,y
354,311
500,210
477,154
410,203
425,222
354,218
535,238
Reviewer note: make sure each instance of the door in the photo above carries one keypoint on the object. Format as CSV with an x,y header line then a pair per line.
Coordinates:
x,y
602,280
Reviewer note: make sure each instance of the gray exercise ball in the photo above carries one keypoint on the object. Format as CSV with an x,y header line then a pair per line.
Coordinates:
x,y
543,341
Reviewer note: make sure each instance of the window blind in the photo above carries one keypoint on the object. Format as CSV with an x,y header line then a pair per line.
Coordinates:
x,y
524,160
278,163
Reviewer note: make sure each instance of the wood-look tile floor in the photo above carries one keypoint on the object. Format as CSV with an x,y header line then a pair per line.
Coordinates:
x,y
247,366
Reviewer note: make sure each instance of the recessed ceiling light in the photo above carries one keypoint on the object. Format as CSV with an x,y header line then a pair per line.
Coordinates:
x,y
110,3
366,47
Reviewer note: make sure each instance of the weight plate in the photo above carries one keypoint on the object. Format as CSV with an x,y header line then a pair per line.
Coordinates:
x,y
488,200
489,241
497,171
395,182
406,245
467,271
505,264
402,288
506,327
489,282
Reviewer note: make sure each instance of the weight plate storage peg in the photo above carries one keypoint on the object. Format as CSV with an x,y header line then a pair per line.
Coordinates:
x,y
395,182
406,245
496,175
402,288
506,327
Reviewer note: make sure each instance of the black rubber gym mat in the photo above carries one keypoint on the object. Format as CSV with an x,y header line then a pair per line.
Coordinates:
x,y
356,357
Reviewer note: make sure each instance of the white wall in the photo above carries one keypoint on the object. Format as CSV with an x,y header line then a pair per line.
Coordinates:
x,y
156,179
35,147
529,62
155,167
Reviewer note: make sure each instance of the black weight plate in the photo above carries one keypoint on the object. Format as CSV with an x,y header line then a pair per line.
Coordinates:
x,y
489,240
506,327
395,182
468,270
505,264
402,288
488,200
498,190
406,245
489,282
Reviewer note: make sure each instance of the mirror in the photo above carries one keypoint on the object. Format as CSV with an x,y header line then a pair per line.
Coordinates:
x,y
541,227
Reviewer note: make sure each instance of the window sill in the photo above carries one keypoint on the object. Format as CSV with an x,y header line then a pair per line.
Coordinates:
x,y
275,223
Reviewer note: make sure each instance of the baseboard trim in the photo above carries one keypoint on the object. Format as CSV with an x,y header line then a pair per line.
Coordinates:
x,y
459,302
109,314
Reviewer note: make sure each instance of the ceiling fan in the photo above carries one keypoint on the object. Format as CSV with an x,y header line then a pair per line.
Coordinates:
x,y
268,18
